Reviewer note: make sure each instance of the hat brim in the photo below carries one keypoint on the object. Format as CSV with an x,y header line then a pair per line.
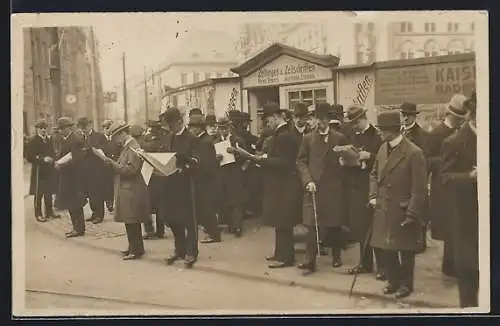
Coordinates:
x,y
409,112
122,128
357,116
449,109
388,126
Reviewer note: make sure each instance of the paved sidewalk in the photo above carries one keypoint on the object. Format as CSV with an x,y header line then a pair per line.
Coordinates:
x,y
244,257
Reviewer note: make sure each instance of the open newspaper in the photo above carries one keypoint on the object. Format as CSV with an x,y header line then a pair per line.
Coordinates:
x,y
221,148
163,164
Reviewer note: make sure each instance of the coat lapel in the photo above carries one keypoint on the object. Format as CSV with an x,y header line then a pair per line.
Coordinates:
x,y
393,160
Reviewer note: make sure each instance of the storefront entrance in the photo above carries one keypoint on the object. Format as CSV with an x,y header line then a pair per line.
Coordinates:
x,y
257,98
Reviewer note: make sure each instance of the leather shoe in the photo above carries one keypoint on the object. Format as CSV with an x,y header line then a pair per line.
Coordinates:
x,y
131,257
90,219
390,288
73,234
271,258
238,233
358,270
97,221
41,219
54,216
124,252
210,240
172,259
280,264
189,262
337,262
402,292
309,268
380,277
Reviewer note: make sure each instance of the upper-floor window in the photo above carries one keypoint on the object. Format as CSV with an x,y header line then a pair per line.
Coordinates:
x,y
452,27
430,27
407,51
184,78
371,56
359,57
431,49
455,47
196,77
406,27
219,74
472,27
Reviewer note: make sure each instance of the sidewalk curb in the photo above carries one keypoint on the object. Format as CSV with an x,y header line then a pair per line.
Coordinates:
x,y
356,294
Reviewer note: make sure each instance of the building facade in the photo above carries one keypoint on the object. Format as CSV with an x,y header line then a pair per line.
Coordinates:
x,y
61,75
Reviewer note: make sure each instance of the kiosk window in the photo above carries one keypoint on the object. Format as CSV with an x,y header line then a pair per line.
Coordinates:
x,y
308,97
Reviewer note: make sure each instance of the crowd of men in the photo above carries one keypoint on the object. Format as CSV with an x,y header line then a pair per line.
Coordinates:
x,y
299,170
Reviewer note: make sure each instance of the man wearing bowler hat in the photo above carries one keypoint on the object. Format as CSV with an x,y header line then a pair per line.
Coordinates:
x,y
177,209
300,126
282,184
112,150
40,153
398,190
366,139
95,170
459,175
323,185
439,208
211,128
71,190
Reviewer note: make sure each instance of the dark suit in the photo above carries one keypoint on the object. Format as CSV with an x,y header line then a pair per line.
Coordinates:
x,y
459,153
205,181
112,150
282,191
357,190
439,202
42,182
176,208
95,173
398,182
71,190
318,163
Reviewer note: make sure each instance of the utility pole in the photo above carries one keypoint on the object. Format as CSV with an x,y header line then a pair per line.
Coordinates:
x,y
125,109
97,110
146,97
55,72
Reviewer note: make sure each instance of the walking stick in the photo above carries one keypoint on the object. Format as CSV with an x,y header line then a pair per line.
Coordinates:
x,y
37,176
316,222
363,253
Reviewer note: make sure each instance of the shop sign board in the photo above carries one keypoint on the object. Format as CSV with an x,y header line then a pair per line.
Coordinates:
x,y
286,70
424,84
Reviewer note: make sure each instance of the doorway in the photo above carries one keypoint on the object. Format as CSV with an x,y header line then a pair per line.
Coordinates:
x,y
257,98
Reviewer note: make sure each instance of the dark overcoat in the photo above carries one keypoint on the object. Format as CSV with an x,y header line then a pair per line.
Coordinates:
x,y
439,202
205,177
94,168
112,150
36,150
358,184
318,162
459,153
398,182
177,202
232,177
131,193
417,135
282,188
71,187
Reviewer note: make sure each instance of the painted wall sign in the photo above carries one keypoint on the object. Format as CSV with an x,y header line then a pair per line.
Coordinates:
x,y
286,70
363,88
426,84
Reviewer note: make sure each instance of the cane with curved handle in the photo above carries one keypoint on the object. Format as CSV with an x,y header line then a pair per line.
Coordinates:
x,y
313,194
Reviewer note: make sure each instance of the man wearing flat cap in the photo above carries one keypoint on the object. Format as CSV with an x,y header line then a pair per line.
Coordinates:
x,y
95,170
323,181
282,186
177,208
398,190
366,139
71,190
40,153
205,179
439,208
459,176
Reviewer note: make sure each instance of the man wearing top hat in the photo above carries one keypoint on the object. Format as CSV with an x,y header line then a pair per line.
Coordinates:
x,y
40,153
71,190
95,171
459,175
282,186
177,209
439,208
205,179
323,181
398,190
366,139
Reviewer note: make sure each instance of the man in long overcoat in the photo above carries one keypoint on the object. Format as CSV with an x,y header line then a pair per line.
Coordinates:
x,y
398,190
112,150
71,188
282,186
459,174
367,140
205,179
439,202
40,153
323,178
178,206
95,171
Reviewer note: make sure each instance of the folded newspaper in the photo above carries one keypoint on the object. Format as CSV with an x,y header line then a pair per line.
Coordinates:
x,y
221,149
349,153
163,164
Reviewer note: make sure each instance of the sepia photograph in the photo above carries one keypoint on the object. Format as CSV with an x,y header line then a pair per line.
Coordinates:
x,y
250,163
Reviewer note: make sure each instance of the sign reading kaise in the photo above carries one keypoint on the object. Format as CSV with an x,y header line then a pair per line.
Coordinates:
x,y
286,70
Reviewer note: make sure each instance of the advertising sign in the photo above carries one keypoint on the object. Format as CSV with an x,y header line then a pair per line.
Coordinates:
x,y
286,70
425,84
